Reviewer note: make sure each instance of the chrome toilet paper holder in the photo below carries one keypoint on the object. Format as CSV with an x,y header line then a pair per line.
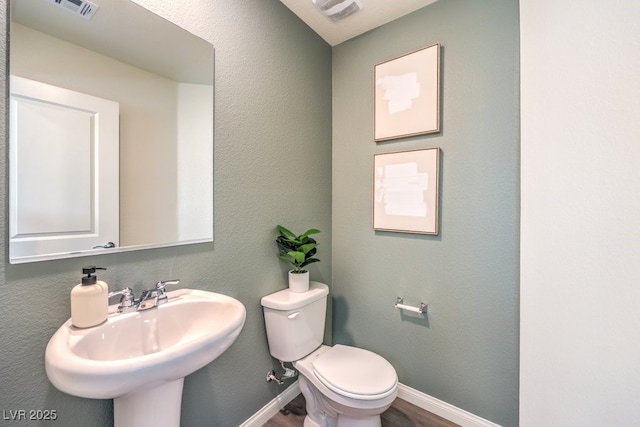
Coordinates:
x,y
400,305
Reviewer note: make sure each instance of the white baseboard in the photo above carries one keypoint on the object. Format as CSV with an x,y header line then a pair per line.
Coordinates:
x,y
413,396
272,408
442,409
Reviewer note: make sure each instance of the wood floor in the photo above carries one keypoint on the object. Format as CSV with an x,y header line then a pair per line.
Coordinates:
x,y
400,414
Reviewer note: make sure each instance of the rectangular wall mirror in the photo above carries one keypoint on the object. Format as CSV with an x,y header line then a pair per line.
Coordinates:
x,y
111,130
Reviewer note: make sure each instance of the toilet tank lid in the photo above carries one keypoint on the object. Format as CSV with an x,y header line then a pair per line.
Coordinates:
x,y
287,300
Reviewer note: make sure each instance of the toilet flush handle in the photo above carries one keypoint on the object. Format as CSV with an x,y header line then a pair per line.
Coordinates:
x,y
293,315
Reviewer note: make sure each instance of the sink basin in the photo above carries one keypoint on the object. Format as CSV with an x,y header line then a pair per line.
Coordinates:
x,y
134,356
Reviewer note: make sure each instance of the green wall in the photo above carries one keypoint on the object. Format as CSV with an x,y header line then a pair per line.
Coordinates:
x,y
466,351
272,165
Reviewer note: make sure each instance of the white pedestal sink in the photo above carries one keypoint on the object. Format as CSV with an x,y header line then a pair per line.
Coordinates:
x,y
140,359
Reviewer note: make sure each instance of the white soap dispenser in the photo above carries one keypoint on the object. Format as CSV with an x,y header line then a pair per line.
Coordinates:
x,y
89,300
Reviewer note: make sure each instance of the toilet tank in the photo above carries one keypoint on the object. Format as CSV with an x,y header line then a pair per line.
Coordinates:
x,y
295,321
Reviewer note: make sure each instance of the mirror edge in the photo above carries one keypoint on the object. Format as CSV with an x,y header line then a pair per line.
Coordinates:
x,y
92,252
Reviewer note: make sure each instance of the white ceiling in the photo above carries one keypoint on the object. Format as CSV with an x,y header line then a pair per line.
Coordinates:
x,y
127,32
373,14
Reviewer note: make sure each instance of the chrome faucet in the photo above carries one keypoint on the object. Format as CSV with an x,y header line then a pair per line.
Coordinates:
x,y
155,297
149,298
127,300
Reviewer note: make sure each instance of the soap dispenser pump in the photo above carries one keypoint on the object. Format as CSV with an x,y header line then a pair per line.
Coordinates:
x,y
89,300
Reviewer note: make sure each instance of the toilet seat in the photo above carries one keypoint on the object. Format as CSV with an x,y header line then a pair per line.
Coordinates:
x,y
356,373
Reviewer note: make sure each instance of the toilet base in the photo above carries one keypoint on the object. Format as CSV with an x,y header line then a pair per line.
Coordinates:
x,y
359,422
323,413
308,422
348,422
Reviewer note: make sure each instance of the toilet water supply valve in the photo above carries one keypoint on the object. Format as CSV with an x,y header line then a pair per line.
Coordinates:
x,y
288,373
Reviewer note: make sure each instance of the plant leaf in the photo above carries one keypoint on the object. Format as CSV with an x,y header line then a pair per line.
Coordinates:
x,y
285,245
309,261
289,260
310,231
306,248
297,256
286,232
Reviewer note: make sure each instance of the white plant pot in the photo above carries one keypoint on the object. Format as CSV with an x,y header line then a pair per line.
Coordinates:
x,y
298,282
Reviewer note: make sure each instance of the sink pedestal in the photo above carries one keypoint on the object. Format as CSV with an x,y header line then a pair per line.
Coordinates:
x,y
150,407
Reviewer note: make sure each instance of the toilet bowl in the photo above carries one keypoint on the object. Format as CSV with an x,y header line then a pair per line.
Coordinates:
x,y
346,386
343,386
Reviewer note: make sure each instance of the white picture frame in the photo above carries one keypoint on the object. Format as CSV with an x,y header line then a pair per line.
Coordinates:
x,y
406,191
407,95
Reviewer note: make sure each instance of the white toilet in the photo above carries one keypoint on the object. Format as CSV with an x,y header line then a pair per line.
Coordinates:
x,y
343,386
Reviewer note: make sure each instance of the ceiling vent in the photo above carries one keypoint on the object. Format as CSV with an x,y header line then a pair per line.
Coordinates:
x,y
84,8
335,10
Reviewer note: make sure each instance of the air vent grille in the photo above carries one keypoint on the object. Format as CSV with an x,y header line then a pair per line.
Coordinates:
x,y
83,8
336,10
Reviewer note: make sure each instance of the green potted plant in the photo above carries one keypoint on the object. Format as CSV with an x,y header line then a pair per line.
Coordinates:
x,y
299,251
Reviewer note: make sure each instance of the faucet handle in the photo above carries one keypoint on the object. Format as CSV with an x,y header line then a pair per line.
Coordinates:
x,y
162,283
161,293
127,300
126,293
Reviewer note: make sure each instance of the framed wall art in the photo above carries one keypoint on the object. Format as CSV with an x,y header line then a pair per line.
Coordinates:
x,y
406,191
407,95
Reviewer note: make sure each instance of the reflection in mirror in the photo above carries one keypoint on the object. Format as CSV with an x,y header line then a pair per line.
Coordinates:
x,y
111,131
